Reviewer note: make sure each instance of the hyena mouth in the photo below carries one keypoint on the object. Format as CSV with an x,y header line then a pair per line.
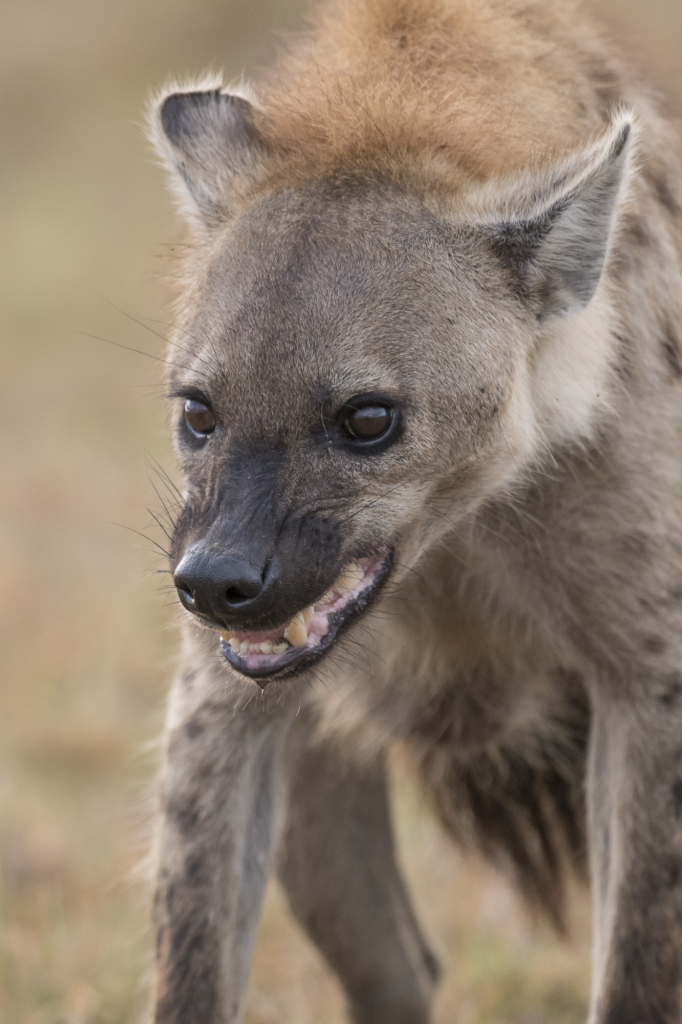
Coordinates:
x,y
308,635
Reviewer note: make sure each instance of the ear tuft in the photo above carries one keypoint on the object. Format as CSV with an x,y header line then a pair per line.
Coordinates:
x,y
557,244
208,138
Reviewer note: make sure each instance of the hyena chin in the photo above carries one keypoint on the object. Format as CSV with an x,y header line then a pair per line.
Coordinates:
x,y
425,382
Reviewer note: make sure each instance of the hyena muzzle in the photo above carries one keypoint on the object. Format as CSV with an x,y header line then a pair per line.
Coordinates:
x,y
425,386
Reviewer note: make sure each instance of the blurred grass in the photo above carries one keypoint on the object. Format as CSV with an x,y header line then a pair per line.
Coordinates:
x,y
86,645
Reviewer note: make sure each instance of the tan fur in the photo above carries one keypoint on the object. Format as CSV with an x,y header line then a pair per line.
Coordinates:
x,y
388,86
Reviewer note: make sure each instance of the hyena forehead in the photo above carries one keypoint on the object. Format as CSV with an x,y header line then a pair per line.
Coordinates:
x,y
313,293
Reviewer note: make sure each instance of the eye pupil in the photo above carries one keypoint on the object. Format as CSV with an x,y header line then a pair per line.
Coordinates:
x,y
369,423
199,417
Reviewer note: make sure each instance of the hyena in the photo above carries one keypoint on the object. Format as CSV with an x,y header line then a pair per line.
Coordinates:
x,y
426,383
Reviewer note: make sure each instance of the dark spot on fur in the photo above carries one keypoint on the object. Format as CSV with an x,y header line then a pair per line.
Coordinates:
x,y
188,677
179,939
671,350
170,897
654,644
637,233
195,869
673,872
185,813
194,729
433,967
672,689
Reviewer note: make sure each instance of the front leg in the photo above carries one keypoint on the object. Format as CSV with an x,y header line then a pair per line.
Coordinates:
x,y
635,806
338,865
223,792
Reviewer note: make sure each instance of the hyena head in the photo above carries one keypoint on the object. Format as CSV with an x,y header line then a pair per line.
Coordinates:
x,y
361,361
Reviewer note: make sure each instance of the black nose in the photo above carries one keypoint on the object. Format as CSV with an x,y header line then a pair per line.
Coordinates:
x,y
222,586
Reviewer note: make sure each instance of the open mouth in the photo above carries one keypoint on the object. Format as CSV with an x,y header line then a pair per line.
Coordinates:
x,y
296,644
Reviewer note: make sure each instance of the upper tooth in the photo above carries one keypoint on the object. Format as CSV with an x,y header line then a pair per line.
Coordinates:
x,y
226,637
266,647
307,613
280,648
297,631
235,643
349,579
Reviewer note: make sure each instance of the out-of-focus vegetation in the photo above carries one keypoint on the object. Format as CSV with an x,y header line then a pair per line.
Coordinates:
x,y
87,640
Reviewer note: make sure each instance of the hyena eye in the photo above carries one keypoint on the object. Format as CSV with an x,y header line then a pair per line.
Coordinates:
x,y
199,417
369,423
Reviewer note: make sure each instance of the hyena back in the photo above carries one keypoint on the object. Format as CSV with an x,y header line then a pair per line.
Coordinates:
x,y
425,391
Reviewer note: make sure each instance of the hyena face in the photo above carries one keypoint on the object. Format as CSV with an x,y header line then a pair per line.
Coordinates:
x,y
354,361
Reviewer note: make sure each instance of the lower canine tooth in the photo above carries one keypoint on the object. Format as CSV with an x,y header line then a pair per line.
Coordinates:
x,y
297,631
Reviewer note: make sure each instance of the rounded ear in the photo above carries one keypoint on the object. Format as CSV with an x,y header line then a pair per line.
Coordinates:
x,y
208,140
556,232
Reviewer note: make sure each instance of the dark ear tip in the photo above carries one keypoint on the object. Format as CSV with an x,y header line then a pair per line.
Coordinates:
x,y
179,106
621,140
169,112
181,111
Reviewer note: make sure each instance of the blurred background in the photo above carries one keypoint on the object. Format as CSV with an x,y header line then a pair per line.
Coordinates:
x,y
86,637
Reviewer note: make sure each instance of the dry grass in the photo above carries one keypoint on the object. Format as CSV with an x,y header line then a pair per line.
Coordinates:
x,y
86,643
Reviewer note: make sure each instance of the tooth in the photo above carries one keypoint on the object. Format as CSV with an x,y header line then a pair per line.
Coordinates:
x,y
307,613
349,579
328,597
280,648
297,631
266,647
227,637
244,647
235,643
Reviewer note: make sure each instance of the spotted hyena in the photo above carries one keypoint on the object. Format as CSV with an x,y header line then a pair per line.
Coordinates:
x,y
426,392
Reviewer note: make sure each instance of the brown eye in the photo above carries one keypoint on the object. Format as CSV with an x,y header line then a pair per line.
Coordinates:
x,y
198,417
368,424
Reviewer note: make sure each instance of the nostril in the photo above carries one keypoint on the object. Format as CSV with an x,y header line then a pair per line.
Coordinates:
x,y
184,591
242,589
